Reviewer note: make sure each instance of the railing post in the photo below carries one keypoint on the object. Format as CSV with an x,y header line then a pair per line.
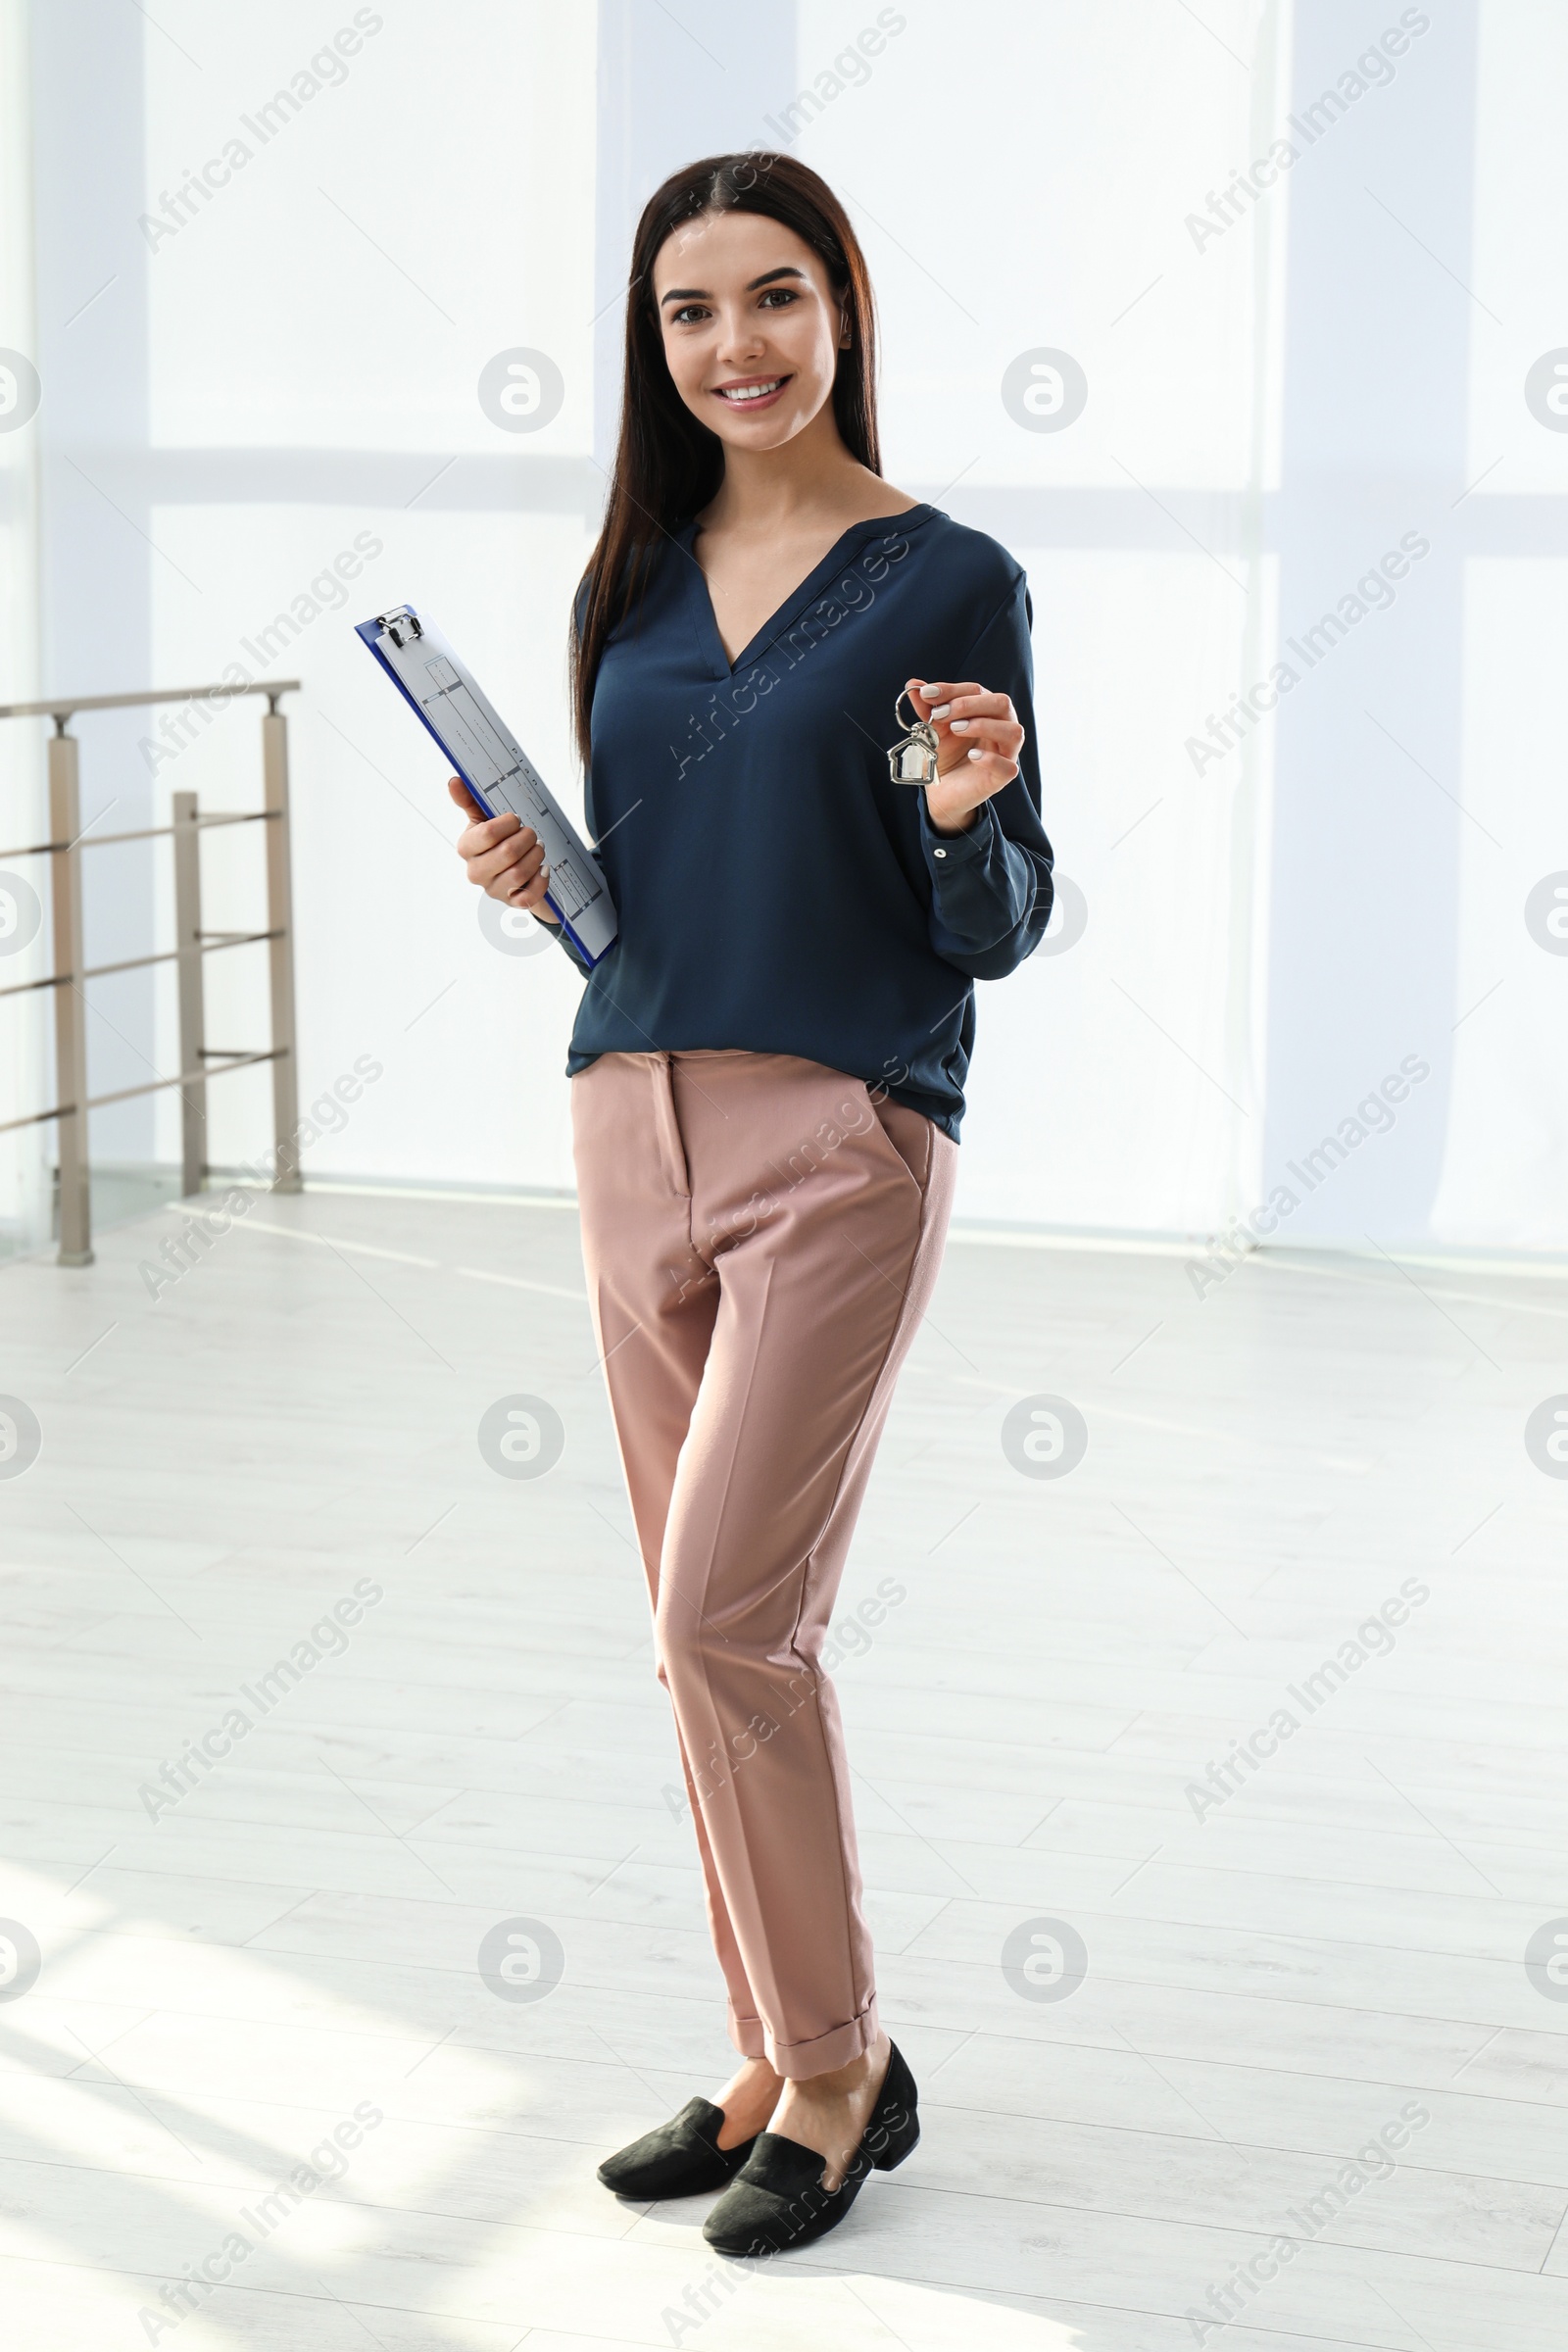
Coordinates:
x,y
70,1006
192,1011
280,950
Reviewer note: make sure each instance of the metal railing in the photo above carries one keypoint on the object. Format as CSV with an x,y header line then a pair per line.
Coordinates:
x,y
192,944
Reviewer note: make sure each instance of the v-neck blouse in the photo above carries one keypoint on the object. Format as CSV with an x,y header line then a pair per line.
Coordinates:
x,y
776,889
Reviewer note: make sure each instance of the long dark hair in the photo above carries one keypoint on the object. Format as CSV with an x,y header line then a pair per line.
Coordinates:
x,y
667,466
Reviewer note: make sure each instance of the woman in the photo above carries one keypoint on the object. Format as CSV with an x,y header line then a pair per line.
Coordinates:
x,y
767,1071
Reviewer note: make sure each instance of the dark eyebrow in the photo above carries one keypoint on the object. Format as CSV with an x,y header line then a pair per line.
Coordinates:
x,y
701,293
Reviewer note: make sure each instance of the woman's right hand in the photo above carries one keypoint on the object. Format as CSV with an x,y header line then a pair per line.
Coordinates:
x,y
504,856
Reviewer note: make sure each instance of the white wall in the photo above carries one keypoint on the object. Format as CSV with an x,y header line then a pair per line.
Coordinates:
x,y
25,1079
1505,1173
1269,931
1115,1083
1418,792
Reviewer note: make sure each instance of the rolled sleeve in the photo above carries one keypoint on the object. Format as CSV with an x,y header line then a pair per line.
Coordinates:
x,y
558,932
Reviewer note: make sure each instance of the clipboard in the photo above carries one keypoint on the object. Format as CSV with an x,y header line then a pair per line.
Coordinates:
x,y
494,765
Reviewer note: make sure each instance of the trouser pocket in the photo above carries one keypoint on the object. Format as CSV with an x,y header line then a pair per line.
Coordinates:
x,y
666,1127
911,1134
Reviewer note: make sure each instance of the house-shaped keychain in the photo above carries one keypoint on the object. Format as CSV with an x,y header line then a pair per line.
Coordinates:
x,y
913,760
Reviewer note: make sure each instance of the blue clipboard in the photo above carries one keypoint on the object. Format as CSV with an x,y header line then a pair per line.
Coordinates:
x,y
494,765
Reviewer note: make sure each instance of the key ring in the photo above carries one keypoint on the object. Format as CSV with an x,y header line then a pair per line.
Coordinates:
x,y
913,759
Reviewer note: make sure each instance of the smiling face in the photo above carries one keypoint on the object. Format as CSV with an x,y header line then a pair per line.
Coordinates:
x,y
752,326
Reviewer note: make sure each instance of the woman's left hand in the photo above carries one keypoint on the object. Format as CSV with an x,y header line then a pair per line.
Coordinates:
x,y
979,737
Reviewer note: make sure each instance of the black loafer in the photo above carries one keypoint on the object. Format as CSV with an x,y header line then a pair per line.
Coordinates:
x,y
777,2199
679,2159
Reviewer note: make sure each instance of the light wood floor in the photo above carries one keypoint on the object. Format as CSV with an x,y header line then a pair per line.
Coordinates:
x,y
1340,1942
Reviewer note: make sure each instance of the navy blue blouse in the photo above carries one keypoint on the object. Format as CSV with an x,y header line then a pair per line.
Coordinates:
x,y
776,889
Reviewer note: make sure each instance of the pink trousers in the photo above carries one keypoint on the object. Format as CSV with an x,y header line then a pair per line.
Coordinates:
x,y
762,1238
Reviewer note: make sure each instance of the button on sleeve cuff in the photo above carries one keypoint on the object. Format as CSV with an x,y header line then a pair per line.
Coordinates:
x,y
944,851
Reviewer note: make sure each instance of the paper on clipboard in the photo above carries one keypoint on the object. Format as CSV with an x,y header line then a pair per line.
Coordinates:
x,y
494,765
